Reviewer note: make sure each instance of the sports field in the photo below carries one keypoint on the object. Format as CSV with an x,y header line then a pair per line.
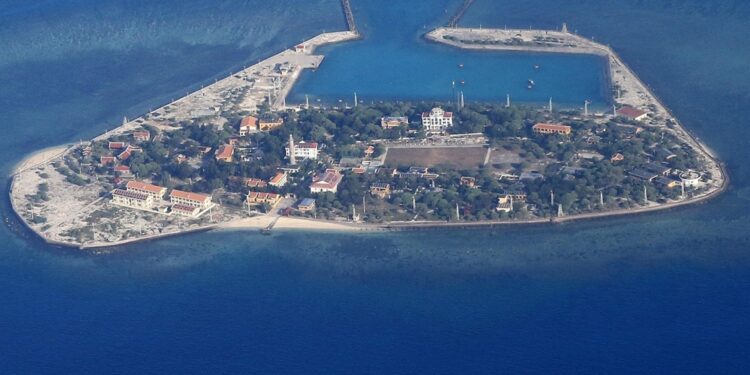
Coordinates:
x,y
452,157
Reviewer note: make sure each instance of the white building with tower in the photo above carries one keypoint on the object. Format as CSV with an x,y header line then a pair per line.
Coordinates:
x,y
437,120
303,150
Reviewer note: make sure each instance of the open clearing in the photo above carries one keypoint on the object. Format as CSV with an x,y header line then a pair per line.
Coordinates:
x,y
453,157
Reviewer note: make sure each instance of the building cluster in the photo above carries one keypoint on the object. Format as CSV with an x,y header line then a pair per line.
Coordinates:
x,y
148,197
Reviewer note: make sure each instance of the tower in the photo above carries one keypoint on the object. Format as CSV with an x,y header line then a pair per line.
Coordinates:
x,y
507,100
645,195
292,153
461,104
307,102
586,108
550,104
601,198
355,99
559,210
565,28
414,203
458,217
551,198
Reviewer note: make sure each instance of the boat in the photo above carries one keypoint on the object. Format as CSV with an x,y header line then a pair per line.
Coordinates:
x,y
463,82
460,65
531,84
536,66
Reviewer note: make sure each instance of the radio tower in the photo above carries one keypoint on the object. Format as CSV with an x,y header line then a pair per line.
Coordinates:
x,y
292,156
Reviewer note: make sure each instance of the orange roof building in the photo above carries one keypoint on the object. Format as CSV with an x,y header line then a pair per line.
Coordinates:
x,y
256,198
141,187
225,153
279,180
268,125
543,128
248,125
632,113
186,198
327,182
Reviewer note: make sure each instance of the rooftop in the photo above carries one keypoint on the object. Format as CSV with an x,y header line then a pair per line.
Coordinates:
x,y
195,197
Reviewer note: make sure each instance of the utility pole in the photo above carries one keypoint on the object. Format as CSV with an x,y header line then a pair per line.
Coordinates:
x,y
645,195
307,102
414,201
458,217
292,151
683,189
552,198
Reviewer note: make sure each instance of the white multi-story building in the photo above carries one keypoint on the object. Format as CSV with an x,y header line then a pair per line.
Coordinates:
x,y
304,150
132,199
437,120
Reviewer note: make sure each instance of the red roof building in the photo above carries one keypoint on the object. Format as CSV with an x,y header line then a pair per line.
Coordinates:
x,y
117,145
543,128
248,125
105,160
142,136
632,113
327,182
145,188
225,153
190,199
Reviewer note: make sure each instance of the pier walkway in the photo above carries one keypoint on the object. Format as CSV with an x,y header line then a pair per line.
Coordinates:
x,y
350,24
460,13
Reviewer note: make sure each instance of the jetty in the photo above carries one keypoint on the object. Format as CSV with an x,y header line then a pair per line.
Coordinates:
x,y
453,22
349,14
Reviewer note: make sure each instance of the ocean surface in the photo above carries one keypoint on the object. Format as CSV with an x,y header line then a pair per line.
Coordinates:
x,y
659,293
394,62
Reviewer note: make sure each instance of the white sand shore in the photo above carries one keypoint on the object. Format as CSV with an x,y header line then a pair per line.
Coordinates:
x,y
261,222
40,157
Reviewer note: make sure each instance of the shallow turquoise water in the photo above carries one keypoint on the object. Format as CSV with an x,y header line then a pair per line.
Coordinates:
x,y
660,293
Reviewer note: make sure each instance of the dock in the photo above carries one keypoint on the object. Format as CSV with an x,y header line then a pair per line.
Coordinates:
x,y
350,24
453,22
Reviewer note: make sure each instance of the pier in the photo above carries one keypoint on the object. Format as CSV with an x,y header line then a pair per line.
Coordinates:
x,y
346,4
459,13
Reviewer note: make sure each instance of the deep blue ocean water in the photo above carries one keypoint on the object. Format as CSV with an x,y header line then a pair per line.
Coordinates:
x,y
659,293
393,62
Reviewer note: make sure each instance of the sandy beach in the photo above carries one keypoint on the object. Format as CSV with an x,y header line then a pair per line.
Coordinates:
x,y
39,158
260,222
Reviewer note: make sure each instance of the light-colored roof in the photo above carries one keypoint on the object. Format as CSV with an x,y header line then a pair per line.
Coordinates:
x,y
195,197
138,185
277,179
554,127
630,112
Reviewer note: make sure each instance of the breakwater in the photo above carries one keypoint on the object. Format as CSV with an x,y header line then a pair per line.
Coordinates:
x,y
350,24
453,22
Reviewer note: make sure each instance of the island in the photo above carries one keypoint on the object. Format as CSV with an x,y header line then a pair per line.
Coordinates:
x,y
236,155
